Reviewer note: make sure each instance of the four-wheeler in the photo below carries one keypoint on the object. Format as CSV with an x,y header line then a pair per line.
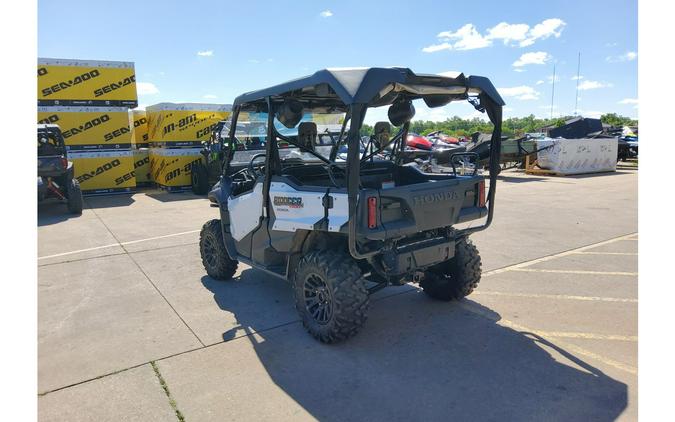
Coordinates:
x,y
55,172
339,230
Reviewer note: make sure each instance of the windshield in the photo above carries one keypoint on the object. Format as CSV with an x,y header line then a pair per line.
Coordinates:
x,y
251,135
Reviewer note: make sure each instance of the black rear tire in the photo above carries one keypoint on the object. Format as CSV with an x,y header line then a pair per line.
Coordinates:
x,y
200,179
330,295
75,201
217,262
456,278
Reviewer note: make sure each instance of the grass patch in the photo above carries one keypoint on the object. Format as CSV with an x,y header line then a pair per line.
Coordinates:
x,y
172,402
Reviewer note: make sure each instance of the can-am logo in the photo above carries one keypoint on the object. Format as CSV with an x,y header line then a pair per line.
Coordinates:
x,y
430,198
288,201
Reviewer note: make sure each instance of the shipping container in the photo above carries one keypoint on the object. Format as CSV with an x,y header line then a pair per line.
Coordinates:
x,y
187,124
139,130
104,171
90,128
142,166
86,83
171,169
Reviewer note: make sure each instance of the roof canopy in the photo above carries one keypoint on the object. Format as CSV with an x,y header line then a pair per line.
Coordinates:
x,y
375,86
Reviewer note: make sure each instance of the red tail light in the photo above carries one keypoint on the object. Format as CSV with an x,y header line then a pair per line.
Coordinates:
x,y
481,193
372,212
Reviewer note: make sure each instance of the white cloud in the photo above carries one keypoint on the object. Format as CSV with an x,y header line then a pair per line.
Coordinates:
x,y
205,53
540,82
508,32
537,57
588,84
626,57
525,36
210,96
465,38
518,69
550,78
629,101
326,14
611,44
253,61
468,38
541,31
146,88
437,47
522,92
575,77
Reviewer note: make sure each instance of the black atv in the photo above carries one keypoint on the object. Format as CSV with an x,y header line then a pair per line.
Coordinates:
x,y
55,172
341,229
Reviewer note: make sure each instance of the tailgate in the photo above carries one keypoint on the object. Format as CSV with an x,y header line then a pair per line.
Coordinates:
x,y
409,209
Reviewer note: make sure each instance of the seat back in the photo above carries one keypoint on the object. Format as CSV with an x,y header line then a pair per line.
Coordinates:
x,y
381,133
307,134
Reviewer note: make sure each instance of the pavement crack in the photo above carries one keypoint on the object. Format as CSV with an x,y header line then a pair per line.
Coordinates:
x,y
165,387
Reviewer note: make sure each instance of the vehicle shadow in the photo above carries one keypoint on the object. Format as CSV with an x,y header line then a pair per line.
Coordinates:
x,y
164,196
419,359
109,201
53,212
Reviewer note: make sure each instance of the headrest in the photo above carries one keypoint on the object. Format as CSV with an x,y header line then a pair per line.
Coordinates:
x,y
307,134
382,132
290,113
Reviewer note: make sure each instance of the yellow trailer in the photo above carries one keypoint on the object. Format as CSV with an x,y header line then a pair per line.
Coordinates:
x,y
104,171
86,83
187,124
90,128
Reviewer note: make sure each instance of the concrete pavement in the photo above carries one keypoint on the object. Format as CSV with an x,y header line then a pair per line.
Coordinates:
x,y
554,338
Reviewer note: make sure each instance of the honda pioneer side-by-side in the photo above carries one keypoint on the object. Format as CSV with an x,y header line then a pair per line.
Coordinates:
x,y
55,171
341,229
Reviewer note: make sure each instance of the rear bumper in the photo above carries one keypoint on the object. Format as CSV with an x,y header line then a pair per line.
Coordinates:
x,y
418,256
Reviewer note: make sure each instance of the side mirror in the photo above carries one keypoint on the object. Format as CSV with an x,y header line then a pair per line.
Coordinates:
x,y
401,112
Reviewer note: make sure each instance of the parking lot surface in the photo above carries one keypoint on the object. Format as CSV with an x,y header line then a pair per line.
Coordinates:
x,y
131,328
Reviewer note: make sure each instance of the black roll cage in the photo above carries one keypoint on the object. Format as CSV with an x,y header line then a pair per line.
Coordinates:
x,y
488,100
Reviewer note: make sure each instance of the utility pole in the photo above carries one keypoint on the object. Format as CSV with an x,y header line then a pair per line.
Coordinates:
x,y
552,90
576,98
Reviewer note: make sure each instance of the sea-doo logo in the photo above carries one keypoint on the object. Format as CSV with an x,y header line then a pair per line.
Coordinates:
x,y
431,198
101,169
67,84
86,126
288,201
113,86
115,133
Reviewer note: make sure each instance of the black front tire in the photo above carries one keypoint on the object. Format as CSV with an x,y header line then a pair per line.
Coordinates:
x,y
456,278
75,201
330,295
200,179
217,262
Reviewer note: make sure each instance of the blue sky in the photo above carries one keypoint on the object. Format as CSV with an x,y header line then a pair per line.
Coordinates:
x,y
211,51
